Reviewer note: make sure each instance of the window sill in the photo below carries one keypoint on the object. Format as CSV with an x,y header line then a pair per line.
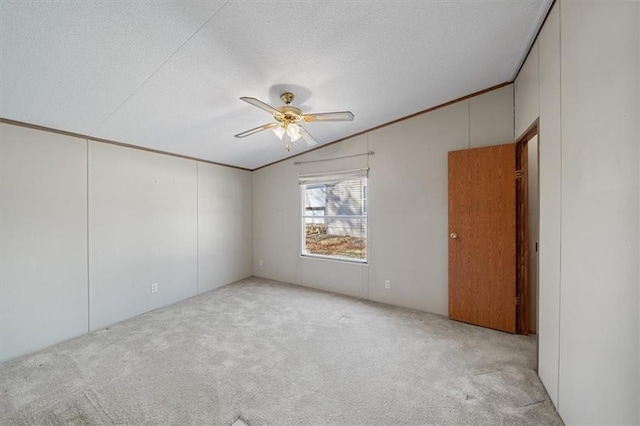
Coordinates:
x,y
335,259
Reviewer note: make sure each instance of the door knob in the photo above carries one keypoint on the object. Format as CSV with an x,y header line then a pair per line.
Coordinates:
x,y
453,235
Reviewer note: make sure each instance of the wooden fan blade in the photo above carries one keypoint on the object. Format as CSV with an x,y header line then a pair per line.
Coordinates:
x,y
307,138
257,129
329,116
261,105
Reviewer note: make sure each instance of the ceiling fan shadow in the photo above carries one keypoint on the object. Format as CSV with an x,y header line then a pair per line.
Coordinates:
x,y
302,93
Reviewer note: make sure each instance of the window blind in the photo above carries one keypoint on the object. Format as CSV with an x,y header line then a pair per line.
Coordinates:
x,y
332,177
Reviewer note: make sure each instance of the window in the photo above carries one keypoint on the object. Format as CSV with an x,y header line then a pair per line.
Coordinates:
x,y
334,215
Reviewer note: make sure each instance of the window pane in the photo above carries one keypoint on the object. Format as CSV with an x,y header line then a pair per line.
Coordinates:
x,y
334,219
341,237
315,197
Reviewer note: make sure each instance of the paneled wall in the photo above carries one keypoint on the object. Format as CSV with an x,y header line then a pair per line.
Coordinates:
x,y
407,204
87,227
143,225
586,94
43,239
224,246
537,94
527,101
599,212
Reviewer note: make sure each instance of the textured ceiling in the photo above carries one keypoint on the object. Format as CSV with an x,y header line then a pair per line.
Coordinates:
x,y
167,75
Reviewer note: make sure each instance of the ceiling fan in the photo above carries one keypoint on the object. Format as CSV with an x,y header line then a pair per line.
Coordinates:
x,y
287,118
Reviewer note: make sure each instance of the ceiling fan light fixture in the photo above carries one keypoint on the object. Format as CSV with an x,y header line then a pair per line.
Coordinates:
x,y
293,131
279,131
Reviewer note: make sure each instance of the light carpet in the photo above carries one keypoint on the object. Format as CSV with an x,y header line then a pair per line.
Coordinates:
x,y
271,353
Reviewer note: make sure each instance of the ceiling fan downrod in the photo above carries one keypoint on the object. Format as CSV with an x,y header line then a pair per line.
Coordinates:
x,y
287,98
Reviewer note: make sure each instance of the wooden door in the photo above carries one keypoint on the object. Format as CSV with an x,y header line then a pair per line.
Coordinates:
x,y
482,236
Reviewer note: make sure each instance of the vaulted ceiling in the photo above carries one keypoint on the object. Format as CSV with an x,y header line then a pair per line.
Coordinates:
x,y
167,75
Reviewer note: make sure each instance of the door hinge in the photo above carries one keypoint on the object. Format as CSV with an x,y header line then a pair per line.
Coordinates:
x,y
518,174
517,300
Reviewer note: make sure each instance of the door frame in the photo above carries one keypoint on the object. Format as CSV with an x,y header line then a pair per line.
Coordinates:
x,y
522,233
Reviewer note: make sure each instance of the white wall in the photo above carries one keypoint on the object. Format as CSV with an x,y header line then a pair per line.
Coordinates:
x,y
589,72
87,227
142,230
537,94
225,226
407,211
599,212
43,239
526,91
277,232
550,178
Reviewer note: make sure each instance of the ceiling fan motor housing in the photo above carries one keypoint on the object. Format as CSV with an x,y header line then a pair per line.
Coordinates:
x,y
288,114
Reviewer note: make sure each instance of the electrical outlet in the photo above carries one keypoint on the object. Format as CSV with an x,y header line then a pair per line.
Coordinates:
x,y
154,288
260,262
387,284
